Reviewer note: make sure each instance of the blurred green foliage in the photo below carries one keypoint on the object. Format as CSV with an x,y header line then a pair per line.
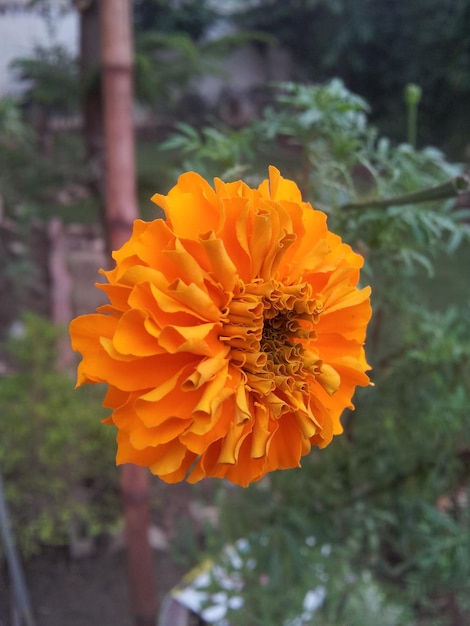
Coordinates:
x,y
57,459
41,176
379,519
51,76
38,164
377,47
192,17
169,61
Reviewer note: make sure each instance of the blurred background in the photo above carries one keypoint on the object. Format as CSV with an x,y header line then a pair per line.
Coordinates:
x,y
363,104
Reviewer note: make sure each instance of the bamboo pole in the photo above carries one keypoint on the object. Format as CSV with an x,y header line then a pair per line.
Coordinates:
x,y
121,210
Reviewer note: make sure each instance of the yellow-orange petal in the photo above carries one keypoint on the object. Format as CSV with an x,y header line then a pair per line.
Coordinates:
x,y
191,206
234,336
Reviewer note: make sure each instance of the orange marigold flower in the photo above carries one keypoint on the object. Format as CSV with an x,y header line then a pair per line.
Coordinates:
x,y
234,336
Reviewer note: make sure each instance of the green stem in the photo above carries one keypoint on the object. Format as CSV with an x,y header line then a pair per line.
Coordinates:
x,y
452,188
412,99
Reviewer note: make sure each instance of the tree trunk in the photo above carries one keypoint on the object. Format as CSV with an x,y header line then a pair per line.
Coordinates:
x,y
92,101
121,210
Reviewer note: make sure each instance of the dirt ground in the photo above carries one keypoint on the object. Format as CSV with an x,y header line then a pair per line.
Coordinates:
x,y
92,590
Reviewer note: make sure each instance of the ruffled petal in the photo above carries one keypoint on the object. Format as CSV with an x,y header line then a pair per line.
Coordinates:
x,y
234,335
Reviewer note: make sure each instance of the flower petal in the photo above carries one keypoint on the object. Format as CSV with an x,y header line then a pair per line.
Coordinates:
x,y
233,338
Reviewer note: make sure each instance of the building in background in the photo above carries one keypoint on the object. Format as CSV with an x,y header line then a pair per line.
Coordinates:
x,y
24,27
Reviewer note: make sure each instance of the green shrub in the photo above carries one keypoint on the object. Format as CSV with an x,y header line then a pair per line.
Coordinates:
x,y
55,455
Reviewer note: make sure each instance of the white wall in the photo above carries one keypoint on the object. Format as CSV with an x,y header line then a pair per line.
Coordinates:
x,y
22,30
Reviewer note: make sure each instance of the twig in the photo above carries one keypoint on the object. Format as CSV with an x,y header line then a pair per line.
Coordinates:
x,y
452,188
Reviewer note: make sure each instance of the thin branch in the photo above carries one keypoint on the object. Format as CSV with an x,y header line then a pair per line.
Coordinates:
x,y
451,189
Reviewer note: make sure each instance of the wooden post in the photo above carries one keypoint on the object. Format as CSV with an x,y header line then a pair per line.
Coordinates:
x,y
121,210
61,289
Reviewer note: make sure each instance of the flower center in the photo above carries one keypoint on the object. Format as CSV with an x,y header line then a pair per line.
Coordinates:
x,y
268,326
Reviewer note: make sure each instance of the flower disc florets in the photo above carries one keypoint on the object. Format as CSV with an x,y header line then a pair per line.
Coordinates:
x,y
234,336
